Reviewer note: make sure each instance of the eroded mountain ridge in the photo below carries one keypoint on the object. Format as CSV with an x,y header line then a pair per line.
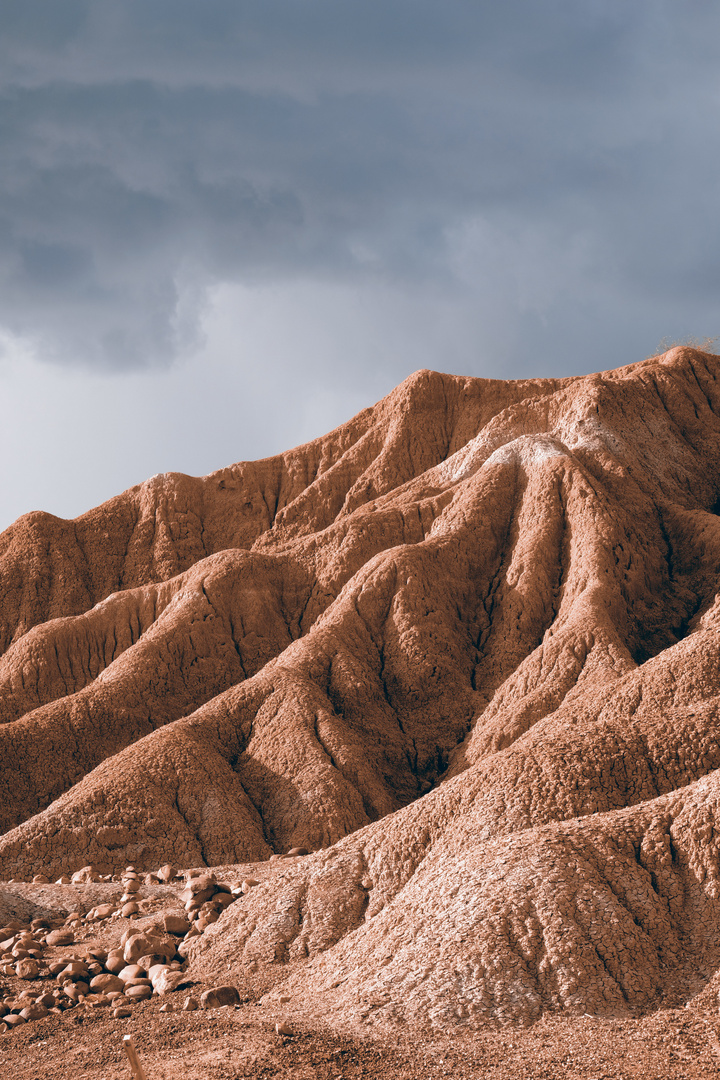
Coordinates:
x,y
465,648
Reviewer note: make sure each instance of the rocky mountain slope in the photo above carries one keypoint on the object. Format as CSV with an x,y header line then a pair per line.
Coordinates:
x,y
465,649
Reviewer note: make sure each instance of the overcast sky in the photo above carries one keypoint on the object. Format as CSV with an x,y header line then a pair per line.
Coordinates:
x,y
227,225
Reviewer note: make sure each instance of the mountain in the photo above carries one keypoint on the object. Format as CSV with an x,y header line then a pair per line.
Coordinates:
x,y
465,649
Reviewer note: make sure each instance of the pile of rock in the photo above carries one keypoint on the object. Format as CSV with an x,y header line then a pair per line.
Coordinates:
x,y
148,960
206,898
144,964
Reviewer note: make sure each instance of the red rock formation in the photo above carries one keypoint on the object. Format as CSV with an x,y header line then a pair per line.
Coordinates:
x,y
467,645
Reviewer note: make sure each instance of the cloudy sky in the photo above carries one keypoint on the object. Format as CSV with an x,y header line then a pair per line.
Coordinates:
x,y
227,225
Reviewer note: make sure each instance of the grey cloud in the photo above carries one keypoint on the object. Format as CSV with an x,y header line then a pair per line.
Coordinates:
x,y
151,150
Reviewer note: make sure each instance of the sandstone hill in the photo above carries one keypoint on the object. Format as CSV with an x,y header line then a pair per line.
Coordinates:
x,y
465,649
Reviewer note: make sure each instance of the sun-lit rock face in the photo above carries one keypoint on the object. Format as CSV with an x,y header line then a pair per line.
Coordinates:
x,y
465,648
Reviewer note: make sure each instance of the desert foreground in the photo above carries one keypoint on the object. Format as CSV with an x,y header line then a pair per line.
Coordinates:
x,y
394,755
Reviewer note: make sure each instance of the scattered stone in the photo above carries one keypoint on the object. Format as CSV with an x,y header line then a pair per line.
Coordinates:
x,y
284,1028
191,1004
219,996
121,1013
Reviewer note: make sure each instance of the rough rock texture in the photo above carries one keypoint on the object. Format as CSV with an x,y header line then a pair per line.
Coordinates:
x,y
466,648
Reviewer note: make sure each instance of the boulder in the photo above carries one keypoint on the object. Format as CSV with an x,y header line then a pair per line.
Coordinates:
x,y
219,996
102,984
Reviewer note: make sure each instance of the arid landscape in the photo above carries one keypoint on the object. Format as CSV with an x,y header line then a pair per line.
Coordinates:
x,y
408,737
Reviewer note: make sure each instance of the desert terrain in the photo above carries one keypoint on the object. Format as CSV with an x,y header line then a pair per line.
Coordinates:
x,y
396,754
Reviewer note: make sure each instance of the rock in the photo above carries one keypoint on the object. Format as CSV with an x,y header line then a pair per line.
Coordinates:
x,y
191,1004
27,969
121,1013
115,961
60,937
222,900
131,971
103,984
104,911
154,960
63,880
97,1001
202,883
206,920
40,879
176,924
195,902
34,1012
132,887
219,996
284,1028
139,992
167,981
14,1020
129,909
167,1007
167,873
147,944
132,931
73,971
295,852
155,970
85,875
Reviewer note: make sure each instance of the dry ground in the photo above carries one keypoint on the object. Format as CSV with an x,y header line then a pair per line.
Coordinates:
x,y
240,1042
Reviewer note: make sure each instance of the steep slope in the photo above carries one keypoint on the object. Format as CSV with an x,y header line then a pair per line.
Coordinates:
x,y
466,648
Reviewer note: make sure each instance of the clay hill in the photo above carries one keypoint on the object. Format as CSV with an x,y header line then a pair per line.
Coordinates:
x,y
465,650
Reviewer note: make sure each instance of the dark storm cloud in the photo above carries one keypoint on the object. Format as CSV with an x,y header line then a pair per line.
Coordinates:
x,y
558,161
